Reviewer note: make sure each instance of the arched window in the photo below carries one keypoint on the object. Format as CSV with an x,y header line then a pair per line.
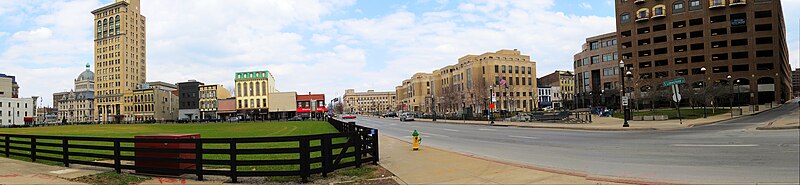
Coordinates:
x,y
250,92
678,7
659,11
238,89
99,29
695,5
105,27
111,27
643,13
625,17
258,89
716,3
245,89
116,24
264,88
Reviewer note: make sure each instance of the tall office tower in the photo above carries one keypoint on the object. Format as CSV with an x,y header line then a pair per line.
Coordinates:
x,y
120,63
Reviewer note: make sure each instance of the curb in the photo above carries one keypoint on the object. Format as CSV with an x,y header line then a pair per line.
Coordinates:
x,y
778,127
728,119
547,127
549,169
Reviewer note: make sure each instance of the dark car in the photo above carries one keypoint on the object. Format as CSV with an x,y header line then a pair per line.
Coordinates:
x,y
296,118
390,115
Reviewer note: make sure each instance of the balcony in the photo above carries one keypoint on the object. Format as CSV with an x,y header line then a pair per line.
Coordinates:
x,y
658,16
737,3
642,19
638,1
721,5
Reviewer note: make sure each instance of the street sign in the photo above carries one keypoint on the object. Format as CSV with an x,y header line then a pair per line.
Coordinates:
x,y
494,98
676,93
625,101
676,81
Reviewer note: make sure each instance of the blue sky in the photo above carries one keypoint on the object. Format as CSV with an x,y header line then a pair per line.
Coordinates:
x,y
309,45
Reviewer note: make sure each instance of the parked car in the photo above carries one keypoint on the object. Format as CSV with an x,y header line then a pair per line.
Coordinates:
x,y
390,115
407,116
233,119
296,118
349,117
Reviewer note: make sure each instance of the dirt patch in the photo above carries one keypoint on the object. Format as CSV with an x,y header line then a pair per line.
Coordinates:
x,y
111,178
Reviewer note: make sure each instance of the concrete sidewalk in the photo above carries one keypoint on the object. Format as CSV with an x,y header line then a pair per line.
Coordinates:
x,y
435,166
791,121
21,172
615,124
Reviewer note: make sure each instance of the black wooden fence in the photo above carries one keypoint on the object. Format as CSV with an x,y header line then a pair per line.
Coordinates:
x,y
353,146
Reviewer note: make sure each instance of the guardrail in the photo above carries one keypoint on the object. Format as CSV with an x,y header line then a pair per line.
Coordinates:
x,y
353,146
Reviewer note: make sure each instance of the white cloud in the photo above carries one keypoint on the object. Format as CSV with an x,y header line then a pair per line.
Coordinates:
x,y
33,35
585,5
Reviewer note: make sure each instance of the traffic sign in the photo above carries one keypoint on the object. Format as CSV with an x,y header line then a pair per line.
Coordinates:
x,y
491,106
676,81
676,93
625,101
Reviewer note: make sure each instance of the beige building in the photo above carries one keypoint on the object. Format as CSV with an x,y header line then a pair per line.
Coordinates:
x,y
467,85
155,101
562,84
369,102
415,93
252,93
282,104
209,100
77,106
119,56
8,86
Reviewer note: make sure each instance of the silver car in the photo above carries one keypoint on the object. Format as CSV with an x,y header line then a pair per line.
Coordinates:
x,y
407,116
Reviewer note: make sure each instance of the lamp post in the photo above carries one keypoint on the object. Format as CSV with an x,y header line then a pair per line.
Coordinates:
x,y
703,82
737,94
730,99
622,79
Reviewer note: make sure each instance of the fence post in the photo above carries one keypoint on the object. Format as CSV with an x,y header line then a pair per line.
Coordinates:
x,y
117,162
357,146
305,164
326,155
8,152
198,156
233,161
375,153
33,149
65,151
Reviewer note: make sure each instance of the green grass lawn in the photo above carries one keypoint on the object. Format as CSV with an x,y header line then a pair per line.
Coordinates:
x,y
208,130
673,114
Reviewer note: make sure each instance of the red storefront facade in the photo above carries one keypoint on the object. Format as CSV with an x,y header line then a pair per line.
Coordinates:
x,y
311,103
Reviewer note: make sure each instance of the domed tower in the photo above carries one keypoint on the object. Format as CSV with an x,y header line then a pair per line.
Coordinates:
x,y
85,81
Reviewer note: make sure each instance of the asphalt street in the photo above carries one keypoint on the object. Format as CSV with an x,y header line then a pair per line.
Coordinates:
x,y
726,152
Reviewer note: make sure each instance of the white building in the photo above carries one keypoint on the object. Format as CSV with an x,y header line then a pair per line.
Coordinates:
x,y
557,97
78,105
17,111
545,96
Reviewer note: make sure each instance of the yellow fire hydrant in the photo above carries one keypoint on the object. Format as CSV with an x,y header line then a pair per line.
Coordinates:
x,y
417,140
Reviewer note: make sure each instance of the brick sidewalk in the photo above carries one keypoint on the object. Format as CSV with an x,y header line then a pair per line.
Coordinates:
x,y
615,124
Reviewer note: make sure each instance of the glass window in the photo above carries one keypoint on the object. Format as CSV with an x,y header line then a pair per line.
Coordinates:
x,y
642,13
695,5
678,7
625,17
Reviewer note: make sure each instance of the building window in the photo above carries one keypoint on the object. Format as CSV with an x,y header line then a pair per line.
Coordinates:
x,y
716,3
643,13
625,18
695,5
678,7
594,45
658,11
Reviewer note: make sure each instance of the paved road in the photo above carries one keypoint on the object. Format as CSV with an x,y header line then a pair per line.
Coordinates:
x,y
727,152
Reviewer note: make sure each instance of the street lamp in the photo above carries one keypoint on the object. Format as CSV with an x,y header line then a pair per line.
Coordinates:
x,y
622,79
703,70
730,99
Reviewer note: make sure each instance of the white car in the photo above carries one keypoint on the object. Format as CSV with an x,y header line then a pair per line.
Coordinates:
x,y
407,117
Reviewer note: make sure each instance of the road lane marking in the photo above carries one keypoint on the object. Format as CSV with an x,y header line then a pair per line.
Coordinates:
x,y
451,130
702,145
437,135
523,137
486,129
